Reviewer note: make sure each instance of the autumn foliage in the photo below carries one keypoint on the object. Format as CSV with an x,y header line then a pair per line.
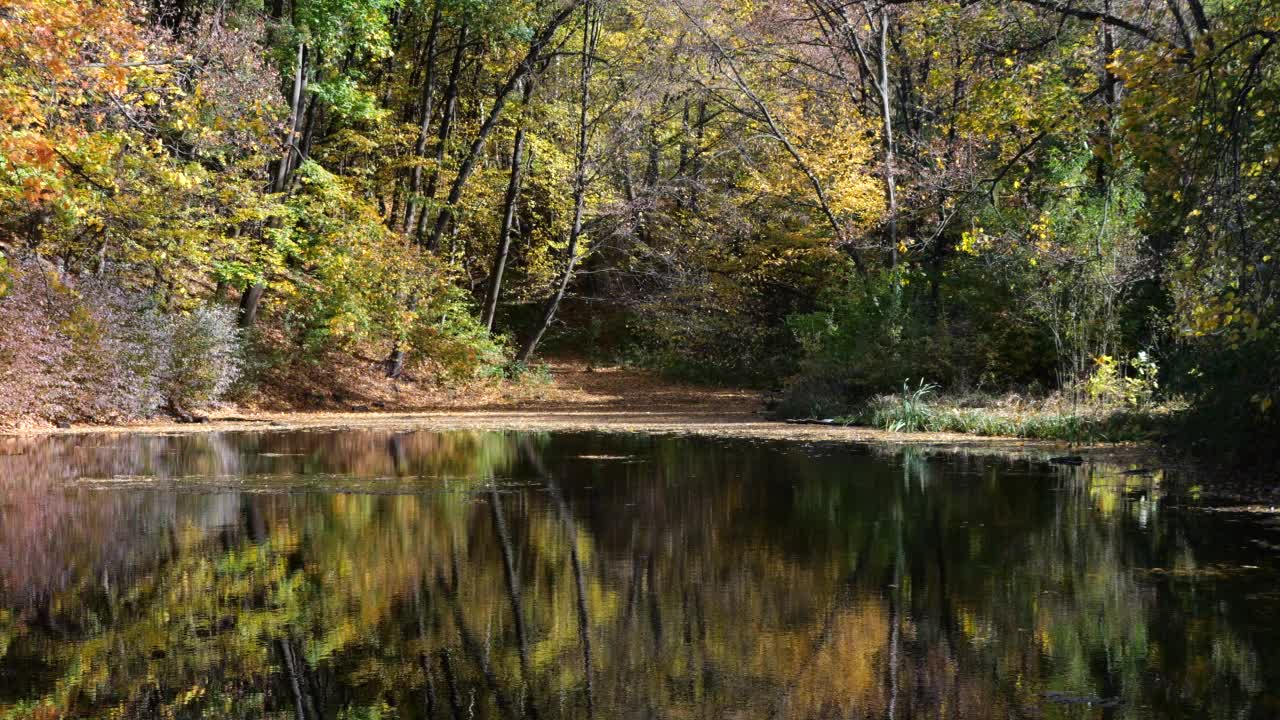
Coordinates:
x,y
810,195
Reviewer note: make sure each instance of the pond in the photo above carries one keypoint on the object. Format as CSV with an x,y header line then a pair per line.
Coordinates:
x,y
379,574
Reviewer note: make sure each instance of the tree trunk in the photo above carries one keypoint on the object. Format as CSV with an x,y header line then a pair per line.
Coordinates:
x,y
252,295
512,580
295,117
445,217
508,216
446,129
415,203
699,137
579,194
886,115
580,588
311,120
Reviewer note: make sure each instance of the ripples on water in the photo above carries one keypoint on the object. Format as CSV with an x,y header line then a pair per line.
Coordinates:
x,y
499,575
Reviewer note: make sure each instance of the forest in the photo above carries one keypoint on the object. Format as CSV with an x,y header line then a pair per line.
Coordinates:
x,y
1049,218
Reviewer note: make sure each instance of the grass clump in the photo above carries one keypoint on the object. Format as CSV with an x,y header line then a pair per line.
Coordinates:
x,y
920,408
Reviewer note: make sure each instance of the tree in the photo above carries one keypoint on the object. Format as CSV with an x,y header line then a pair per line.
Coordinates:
x,y
590,37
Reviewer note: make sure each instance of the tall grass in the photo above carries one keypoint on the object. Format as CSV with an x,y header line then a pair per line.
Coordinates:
x,y
917,409
907,412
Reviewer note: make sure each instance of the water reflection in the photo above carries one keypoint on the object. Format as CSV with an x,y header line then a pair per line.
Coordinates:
x,y
491,575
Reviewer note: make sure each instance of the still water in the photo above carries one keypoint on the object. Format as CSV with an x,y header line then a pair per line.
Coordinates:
x,y
377,574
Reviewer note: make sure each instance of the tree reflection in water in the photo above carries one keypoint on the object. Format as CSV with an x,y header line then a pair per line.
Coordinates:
x,y
499,575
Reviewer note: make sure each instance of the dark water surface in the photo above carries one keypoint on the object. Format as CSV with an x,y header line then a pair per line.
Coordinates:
x,y
376,574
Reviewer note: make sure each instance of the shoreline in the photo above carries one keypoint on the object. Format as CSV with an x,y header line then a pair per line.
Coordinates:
x,y
625,400
1225,495
712,422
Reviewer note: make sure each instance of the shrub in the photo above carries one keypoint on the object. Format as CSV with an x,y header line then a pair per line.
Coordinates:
x,y
1233,415
908,412
204,360
129,351
1104,385
33,349
713,340
538,374
859,346
1110,383
452,344
92,349
85,352
814,396
366,289
1141,384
